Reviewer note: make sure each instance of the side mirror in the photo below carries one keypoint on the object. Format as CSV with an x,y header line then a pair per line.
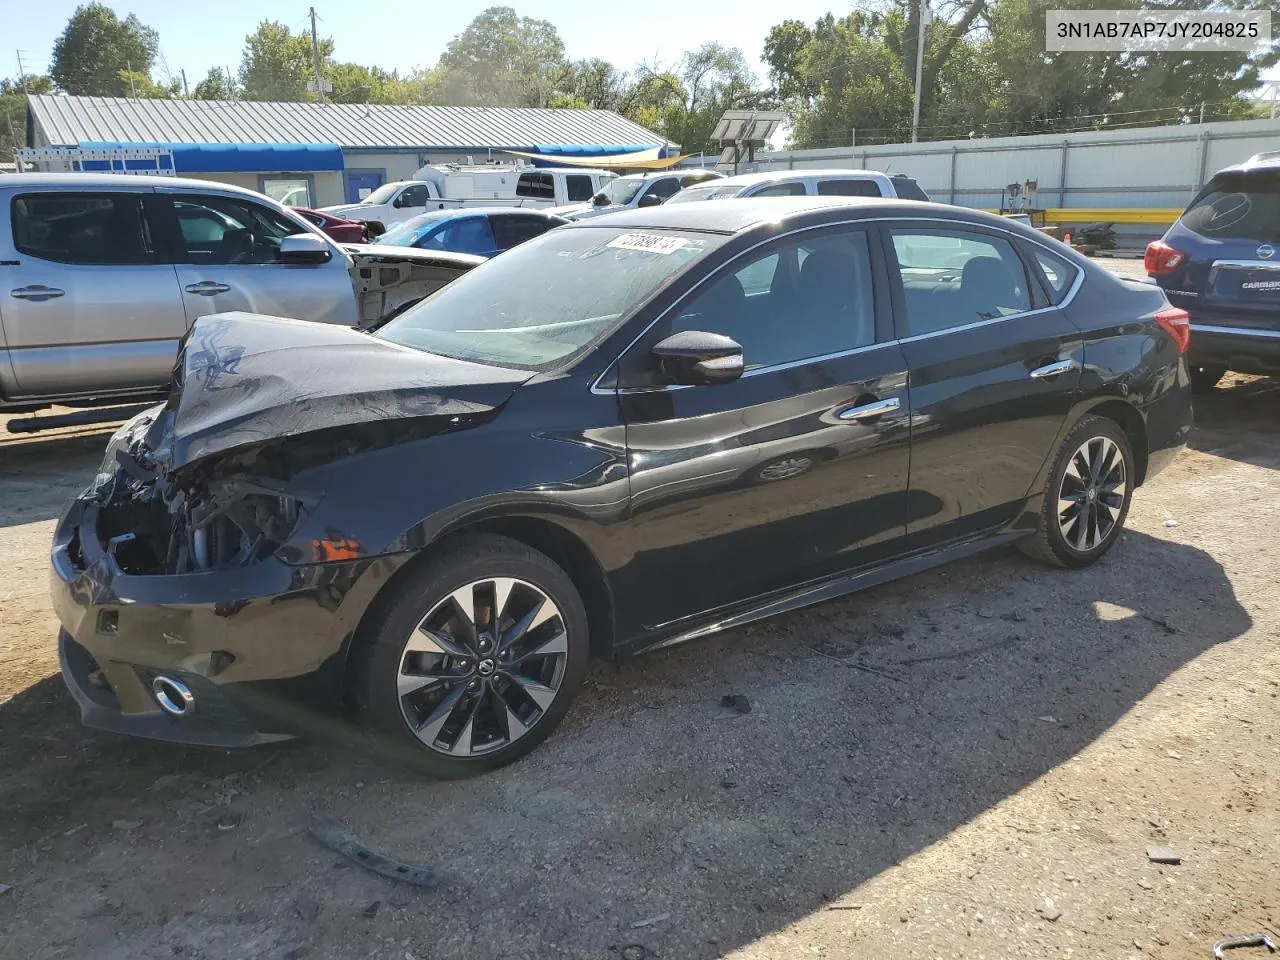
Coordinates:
x,y
650,200
600,200
304,248
696,357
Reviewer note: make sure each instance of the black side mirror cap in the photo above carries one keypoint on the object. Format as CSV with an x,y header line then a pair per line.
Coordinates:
x,y
694,357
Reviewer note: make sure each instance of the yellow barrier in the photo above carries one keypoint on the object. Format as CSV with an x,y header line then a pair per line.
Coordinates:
x,y
1138,215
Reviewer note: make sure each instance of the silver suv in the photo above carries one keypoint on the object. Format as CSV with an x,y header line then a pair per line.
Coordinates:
x,y
101,275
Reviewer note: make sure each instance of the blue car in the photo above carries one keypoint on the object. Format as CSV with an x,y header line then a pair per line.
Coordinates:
x,y
1221,262
484,232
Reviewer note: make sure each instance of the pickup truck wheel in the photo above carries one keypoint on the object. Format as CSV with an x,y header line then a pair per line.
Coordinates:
x,y
474,658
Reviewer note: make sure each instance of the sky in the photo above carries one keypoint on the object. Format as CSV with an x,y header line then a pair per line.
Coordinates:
x,y
403,34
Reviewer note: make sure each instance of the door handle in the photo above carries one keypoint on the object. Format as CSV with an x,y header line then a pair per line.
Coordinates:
x,y
870,410
1053,369
37,292
207,288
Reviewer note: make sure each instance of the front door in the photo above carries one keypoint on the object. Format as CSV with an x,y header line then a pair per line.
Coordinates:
x,y
88,302
361,183
994,368
229,259
794,472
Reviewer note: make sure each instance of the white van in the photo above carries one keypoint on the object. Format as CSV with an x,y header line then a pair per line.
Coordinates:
x,y
807,183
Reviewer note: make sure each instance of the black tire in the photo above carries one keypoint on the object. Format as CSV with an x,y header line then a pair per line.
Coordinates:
x,y
1080,546
380,656
1204,378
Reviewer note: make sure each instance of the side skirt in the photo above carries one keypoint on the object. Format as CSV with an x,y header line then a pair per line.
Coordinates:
x,y
830,589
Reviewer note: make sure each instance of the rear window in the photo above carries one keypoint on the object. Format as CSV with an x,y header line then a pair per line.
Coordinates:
x,y
907,189
81,227
1239,205
848,187
795,189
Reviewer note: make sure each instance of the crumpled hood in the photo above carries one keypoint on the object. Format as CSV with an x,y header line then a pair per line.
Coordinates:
x,y
243,378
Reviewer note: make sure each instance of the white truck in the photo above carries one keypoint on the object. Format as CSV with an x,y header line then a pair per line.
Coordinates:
x,y
448,186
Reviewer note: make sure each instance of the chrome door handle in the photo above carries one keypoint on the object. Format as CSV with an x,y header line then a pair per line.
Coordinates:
x,y
206,288
1053,369
37,292
867,411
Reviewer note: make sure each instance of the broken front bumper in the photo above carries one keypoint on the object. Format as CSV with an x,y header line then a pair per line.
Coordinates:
x,y
261,647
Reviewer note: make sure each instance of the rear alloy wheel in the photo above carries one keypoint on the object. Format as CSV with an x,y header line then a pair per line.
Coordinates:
x,y
1087,497
1205,378
475,659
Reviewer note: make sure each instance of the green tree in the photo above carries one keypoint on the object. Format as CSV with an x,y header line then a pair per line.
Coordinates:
x,y
277,63
218,84
13,111
502,60
96,46
684,103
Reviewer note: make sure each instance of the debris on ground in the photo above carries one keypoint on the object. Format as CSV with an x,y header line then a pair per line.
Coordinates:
x,y
650,921
126,824
1049,911
371,910
1163,855
1164,625
736,702
1144,883
1248,940
305,907
1171,523
331,834
5,888
633,951
74,830
728,783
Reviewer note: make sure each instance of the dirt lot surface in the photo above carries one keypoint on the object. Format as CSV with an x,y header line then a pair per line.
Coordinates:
x,y
923,767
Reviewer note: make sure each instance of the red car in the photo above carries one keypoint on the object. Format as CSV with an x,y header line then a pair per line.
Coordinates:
x,y
344,231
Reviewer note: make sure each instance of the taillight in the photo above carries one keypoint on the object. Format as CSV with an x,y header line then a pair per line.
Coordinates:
x,y
1162,258
1177,324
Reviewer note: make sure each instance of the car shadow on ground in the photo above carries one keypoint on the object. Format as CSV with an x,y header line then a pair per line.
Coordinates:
x,y
1242,416
40,473
879,724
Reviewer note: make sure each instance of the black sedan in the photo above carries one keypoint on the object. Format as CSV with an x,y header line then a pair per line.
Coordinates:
x,y
626,433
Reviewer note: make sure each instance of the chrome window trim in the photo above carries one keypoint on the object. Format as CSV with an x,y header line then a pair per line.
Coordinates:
x,y
1071,294
1217,265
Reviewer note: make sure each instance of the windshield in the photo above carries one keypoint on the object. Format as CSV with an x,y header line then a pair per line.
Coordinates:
x,y
706,191
621,190
1238,206
383,194
407,234
549,298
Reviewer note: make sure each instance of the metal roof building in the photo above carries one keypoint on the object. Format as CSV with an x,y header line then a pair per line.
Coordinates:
x,y
351,148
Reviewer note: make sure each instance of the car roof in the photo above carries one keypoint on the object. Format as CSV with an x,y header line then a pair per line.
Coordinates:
x,y
772,176
118,180
1258,163
734,215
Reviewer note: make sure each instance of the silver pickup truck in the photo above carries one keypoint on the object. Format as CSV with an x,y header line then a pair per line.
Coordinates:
x,y
101,275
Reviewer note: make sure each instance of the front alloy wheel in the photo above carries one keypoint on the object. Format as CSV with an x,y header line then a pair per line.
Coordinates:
x,y
482,667
471,657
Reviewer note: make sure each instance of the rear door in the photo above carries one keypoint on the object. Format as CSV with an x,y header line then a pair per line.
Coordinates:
x,y
1230,235
790,473
89,305
228,254
995,368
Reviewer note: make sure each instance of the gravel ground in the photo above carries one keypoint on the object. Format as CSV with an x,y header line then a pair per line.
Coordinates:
x,y
924,766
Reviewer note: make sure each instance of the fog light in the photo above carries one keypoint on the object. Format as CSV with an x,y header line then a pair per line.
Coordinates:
x,y
174,696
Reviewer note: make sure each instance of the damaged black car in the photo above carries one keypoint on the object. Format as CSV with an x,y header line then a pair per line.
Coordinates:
x,y
630,432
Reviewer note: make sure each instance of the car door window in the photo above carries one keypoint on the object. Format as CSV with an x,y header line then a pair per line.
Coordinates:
x,y
817,300
228,230
510,229
795,189
664,189
463,235
415,196
82,227
578,187
538,186
951,278
848,188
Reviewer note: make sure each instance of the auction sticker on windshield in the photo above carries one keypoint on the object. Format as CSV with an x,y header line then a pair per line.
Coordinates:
x,y
648,243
